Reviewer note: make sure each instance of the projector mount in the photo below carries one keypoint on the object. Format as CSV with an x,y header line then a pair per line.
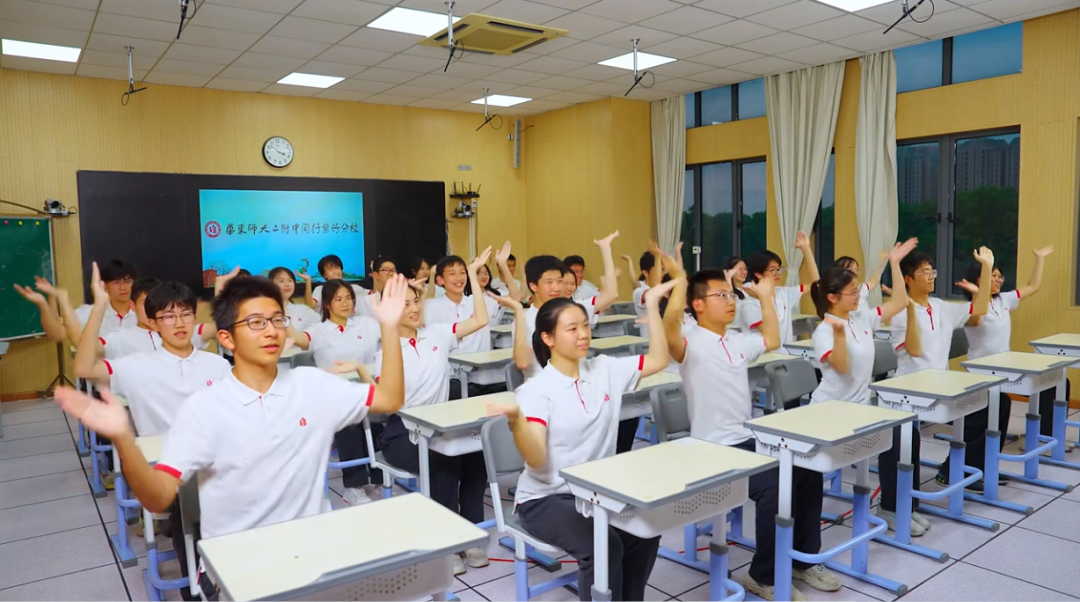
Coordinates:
x,y
131,81
639,77
907,12
488,118
450,35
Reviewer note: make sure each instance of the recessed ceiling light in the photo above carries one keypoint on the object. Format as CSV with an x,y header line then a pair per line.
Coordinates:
x,y
48,52
310,80
416,22
502,100
644,61
854,5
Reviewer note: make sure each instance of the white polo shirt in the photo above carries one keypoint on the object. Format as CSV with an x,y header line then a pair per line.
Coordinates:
x,y
110,321
581,417
261,458
936,325
356,341
530,328
156,384
786,300
995,327
426,363
639,306
715,376
361,298
301,316
855,385
591,313
864,300
443,310
127,341
504,290
585,290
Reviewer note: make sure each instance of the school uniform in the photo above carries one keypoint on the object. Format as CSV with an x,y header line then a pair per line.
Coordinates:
x,y
715,375
585,290
360,292
530,328
443,310
457,482
127,341
786,300
854,386
639,306
301,316
503,289
110,322
581,416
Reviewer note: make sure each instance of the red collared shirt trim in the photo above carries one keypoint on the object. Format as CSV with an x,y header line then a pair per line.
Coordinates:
x,y
536,420
169,470
108,366
370,396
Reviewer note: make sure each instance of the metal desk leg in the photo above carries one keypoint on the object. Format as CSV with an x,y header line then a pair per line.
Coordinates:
x,y
1035,444
463,378
541,559
785,531
993,455
720,586
425,463
1061,410
957,482
904,476
600,590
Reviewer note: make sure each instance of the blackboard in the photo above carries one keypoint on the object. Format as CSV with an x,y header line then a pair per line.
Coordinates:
x,y
25,252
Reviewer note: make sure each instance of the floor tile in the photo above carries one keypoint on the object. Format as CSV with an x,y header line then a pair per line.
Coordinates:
x,y
21,448
474,577
1007,493
963,582
44,518
42,489
1060,518
887,561
503,589
36,466
102,583
1033,557
133,577
54,555
39,415
33,429
469,595
674,579
138,544
10,407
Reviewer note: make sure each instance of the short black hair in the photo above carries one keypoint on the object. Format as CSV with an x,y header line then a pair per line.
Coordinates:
x,y
758,263
914,260
448,261
512,258
415,263
573,260
535,267
281,270
170,294
330,291
117,269
330,261
646,263
226,306
846,262
379,261
698,286
143,286
243,273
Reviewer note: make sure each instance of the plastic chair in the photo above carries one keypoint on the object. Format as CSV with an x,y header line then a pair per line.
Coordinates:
x,y
884,360
501,458
305,359
390,472
188,498
959,346
790,381
514,377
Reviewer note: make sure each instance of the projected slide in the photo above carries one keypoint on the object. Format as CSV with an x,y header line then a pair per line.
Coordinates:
x,y
263,229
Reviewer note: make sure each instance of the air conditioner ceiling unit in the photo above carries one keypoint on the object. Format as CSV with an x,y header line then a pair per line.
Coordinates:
x,y
494,35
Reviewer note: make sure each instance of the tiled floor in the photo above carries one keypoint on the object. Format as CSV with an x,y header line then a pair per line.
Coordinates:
x,y
54,545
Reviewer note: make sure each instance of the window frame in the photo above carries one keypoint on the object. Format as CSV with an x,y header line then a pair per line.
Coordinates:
x,y
698,243
947,56
734,104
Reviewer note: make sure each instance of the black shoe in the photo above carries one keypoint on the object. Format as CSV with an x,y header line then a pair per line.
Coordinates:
x,y
1002,481
976,487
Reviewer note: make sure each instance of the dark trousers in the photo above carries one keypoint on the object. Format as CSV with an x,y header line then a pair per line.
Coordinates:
x,y
555,519
475,390
887,469
205,584
457,482
624,441
975,426
806,499
1046,408
351,445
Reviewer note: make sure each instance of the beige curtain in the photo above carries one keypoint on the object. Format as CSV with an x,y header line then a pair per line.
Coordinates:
x,y
875,160
802,107
669,167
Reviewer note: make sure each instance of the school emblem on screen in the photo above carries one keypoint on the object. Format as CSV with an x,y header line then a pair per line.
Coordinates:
x,y
213,229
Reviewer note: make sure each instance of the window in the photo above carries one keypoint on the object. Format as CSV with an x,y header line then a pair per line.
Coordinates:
x,y
825,226
957,193
717,214
725,209
691,111
977,55
726,104
755,207
715,106
752,99
689,232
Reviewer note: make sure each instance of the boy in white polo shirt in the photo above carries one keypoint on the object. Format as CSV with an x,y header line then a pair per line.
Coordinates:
x,y
585,289
249,479
331,268
766,264
505,280
714,363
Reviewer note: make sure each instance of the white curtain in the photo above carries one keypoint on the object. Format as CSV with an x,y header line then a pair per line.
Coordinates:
x,y
802,107
669,167
875,160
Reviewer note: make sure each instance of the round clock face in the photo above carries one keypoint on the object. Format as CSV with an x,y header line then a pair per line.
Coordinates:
x,y
278,151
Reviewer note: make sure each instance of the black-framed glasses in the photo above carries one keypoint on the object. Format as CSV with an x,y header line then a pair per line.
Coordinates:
x,y
188,317
257,323
388,271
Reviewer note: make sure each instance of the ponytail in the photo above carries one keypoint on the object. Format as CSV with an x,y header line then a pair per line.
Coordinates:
x,y
833,282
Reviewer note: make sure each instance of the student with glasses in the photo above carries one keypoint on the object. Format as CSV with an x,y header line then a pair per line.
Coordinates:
x,y
766,264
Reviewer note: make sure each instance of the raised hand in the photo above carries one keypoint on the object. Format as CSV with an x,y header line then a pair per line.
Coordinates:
x,y
106,417
305,277
802,241
507,302
984,256
45,286
678,256
340,367
503,254
511,410
224,279
761,290
627,259
101,296
837,325
656,293
31,295
605,243
1043,252
967,286
388,310
480,260
669,265
901,250
655,248
886,290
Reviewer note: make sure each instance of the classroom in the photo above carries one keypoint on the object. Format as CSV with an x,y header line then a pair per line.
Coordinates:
x,y
821,253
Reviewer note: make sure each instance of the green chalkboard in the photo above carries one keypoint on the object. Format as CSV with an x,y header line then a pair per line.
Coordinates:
x,y
25,252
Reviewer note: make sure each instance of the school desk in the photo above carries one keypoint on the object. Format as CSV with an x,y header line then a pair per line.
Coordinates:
x,y
1024,374
824,437
804,324
614,325
690,481
636,404
758,379
619,346
502,336
1066,345
400,549
480,360
803,349
938,396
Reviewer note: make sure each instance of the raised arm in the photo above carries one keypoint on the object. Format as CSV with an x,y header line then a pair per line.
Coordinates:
x,y
658,356
86,363
898,302
50,319
223,279
502,256
530,436
762,290
631,270
673,315
838,357
912,337
874,279
390,392
802,243
300,339
480,317
309,300
981,302
1036,273
609,284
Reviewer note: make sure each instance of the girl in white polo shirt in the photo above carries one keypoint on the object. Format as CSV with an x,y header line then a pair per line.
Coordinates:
x,y
766,264
457,482
301,315
568,415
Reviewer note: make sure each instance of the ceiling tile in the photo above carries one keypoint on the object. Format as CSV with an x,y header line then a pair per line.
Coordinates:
x,y
414,91
562,82
573,97
630,11
628,78
431,52
348,95
439,81
686,20
271,6
1042,12
603,88
236,19
390,76
621,38
514,76
888,13
360,85
791,16
568,4
722,77
311,30
551,46
470,70
328,68
495,60
110,43
873,41
818,54
542,105
25,64
530,92
583,26
462,95
162,11
735,32
380,39
289,47
354,56
951,21
1007,10
589,52
741,8
135,27
218,38
461,7
777,43
840,27
597,73
681,69
86,4
49,35
270,62
767,65
677,86
116,59
287,90
236,85
259,75
434,103
103,72
50,15
389,99
351,12
177,79
188,68
551,64
526,12
188,52
726,56
404,62
684,47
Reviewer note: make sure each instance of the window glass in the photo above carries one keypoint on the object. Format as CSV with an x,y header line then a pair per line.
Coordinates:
x,y
716,106
754,208
826,232
988,53
752,99
919,67
688,235
691,107
918,182
717,225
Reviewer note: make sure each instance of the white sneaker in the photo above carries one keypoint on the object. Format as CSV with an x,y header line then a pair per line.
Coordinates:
x,y
818,577
355,496
476,558
768,592
925,524
917,530
459,565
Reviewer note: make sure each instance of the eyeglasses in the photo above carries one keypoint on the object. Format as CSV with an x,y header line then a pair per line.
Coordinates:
x,y
854,293
777,270
388,271
257,323
126,280
187,317
725,296
929,273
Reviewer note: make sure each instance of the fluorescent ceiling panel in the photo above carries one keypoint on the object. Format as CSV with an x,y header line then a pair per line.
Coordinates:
x,y
310,80
48,52
856,5
501,100
416,22
644,61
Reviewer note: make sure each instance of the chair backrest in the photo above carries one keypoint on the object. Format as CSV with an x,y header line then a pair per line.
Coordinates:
x,y
790,380
514,377
884,359
959,346
501,456
189,504
670,413
304,359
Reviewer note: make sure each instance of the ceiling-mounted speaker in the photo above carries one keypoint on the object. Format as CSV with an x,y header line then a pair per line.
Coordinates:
x,y
493,35
517,143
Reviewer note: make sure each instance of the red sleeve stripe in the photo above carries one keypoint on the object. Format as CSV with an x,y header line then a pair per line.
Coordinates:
x,y
899,346
198,330
108,366
308,335
454,329
641,363
879,311
536,420
1017,293
971,309
169,470
370,396
755,324
593,301
802,288
103,343
867,287
826,356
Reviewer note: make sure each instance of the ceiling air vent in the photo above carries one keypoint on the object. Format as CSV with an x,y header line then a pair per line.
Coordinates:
x,y
492,35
